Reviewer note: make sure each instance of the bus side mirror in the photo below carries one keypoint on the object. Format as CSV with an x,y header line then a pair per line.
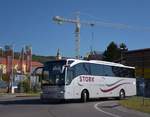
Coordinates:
x,y
63,68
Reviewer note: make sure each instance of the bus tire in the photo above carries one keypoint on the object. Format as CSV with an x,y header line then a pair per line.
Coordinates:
x,y
84,96
122,94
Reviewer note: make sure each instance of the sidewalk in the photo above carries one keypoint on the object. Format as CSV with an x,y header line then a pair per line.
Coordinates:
x,y
7,96
27,94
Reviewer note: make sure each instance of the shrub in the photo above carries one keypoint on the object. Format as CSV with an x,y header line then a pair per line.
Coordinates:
x,y
24,87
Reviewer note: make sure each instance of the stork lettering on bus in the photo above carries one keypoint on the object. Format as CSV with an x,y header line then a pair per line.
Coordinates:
x,y
86,79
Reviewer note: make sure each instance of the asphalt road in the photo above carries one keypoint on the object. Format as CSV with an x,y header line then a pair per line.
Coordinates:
x,y
32,107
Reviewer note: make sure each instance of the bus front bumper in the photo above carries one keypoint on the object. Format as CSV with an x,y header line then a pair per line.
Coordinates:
x,y
52,96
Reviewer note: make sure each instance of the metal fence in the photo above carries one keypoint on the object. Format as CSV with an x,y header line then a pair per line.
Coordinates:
x,y
143,87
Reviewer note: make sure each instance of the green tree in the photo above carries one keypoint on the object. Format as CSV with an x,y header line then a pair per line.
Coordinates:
x,y
123,47
112,53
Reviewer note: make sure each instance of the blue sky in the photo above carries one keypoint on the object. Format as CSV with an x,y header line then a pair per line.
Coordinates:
x,y
29,22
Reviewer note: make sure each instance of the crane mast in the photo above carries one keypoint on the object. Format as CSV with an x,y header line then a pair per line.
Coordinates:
x,y
77,39
77,23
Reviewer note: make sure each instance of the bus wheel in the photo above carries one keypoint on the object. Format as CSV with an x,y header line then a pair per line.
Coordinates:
x,y
122,94
84,96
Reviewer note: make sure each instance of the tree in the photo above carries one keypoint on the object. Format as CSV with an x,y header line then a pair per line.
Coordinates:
x,y
112,53
123,47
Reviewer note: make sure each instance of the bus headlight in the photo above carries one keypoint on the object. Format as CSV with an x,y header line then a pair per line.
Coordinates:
x,y
134,83
61,92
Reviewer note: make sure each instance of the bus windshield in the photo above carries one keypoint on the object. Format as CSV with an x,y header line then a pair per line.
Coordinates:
x,y
54,73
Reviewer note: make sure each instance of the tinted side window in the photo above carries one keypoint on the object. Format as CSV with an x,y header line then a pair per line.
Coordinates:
x,y
132,73
117,71
97,70
129,73
86,68
123,72
108,71
81,69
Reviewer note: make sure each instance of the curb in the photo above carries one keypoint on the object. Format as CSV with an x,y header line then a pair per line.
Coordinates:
x,y
17,95
27,95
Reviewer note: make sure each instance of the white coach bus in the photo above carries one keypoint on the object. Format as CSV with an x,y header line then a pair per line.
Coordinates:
x,y
81,79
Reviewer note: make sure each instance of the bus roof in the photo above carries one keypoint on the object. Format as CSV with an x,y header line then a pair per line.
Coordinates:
x,y
99,62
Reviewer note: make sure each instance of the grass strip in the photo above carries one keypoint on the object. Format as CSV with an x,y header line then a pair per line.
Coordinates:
x,y
137,103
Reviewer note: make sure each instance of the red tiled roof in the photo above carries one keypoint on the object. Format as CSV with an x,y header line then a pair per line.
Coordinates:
x,y
36,64
16,61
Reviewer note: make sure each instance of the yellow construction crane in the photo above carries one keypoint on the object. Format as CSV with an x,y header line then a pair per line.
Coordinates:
x,y
78,23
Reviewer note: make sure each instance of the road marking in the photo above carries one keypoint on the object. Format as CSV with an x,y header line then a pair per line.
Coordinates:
x,y
108,113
